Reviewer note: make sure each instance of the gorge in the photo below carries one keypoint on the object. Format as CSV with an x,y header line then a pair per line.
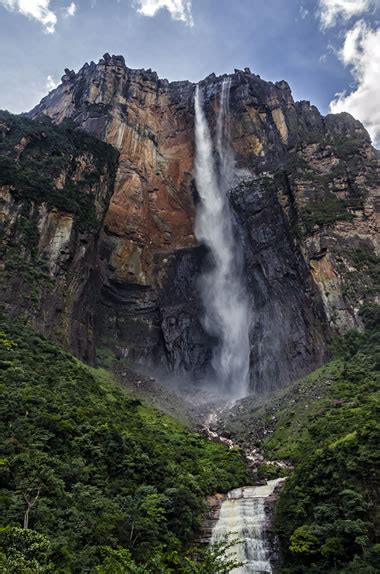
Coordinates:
x,y
209,248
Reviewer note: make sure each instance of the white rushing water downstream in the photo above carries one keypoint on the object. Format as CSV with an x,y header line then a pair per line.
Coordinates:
x,y
223,291
243,515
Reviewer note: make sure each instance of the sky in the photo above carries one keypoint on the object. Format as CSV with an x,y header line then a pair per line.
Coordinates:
x,y
327,50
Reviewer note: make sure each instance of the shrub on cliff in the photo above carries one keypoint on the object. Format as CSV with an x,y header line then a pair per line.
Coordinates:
x,y
34,154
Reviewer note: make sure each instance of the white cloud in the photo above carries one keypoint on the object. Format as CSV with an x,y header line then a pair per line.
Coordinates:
x,y
51,83
304,12
71,9
179,9
332,10
361,51
37,9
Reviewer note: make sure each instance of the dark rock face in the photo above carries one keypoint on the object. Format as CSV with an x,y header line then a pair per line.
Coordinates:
x,y
159,325
305,211
289,328
187,346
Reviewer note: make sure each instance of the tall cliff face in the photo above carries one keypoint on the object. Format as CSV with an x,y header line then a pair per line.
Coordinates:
x,y
55,188
147,120
305,210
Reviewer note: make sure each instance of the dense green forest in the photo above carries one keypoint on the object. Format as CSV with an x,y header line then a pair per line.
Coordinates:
x,y
328,426
92,480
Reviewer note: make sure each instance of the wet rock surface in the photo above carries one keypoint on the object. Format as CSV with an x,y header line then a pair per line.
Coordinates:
x,y
288,316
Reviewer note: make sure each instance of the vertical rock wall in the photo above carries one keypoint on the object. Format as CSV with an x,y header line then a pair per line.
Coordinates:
x,y
305,209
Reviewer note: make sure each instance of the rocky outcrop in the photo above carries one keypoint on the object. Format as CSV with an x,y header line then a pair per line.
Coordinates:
x,y
304,207
158,324
289,327
213,503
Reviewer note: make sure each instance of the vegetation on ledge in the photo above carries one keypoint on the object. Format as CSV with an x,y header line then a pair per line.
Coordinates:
x,y
325,212
92,481
33,154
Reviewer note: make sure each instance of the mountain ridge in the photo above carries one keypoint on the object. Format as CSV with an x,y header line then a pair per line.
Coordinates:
x,y
306,206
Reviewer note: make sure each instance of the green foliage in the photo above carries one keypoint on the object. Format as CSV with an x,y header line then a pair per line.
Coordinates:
x,y
324,206
346,148
5,342
326,516
326,211
32,271
105,357
33,154
24,551
267,471
96,468
367,263
304,540
213,560
360,269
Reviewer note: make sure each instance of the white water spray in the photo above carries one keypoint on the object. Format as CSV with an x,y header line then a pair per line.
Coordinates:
x,y
222,288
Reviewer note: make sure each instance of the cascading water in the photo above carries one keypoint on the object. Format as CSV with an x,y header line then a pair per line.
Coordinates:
x,y
243,516
223,293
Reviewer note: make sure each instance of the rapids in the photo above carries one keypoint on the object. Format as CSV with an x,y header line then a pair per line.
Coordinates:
x,y
243,516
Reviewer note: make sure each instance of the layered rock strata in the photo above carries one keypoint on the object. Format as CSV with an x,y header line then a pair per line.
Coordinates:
x,y
305,208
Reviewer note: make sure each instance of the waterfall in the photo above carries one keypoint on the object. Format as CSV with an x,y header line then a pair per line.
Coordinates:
x,y
222,287
243,515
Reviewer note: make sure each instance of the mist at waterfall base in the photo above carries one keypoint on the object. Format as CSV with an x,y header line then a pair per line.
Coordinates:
x,y
222,288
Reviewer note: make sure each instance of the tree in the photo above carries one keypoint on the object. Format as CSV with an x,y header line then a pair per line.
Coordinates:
x,y
304,540
30,502
24,551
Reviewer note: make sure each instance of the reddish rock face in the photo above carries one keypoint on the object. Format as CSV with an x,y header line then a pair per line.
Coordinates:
x,y
150,122
152,207
306,211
